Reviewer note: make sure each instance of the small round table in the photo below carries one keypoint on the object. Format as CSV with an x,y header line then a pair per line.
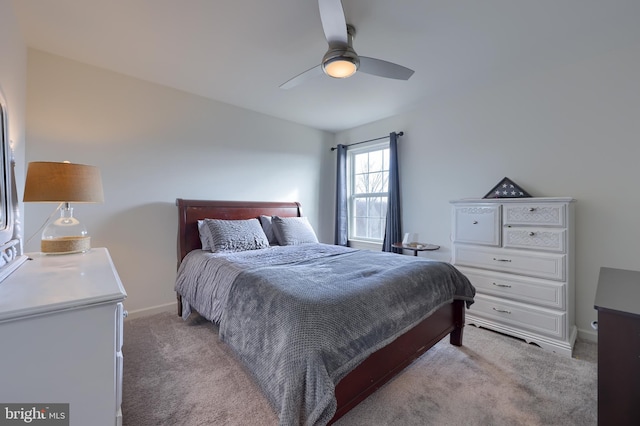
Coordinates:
x,y
416,249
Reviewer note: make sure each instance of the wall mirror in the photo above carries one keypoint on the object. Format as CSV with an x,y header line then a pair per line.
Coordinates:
x,y
11,256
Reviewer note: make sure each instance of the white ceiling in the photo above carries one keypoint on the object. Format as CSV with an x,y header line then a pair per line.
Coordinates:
x,y
240,51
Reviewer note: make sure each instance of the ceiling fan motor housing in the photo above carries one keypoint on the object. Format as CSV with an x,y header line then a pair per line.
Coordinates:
x,y
342,57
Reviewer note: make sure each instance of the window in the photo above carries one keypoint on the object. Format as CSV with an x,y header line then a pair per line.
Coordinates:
x,y
368,174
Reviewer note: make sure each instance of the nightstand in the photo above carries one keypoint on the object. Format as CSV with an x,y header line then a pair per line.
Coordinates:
x,y
416,249
616,300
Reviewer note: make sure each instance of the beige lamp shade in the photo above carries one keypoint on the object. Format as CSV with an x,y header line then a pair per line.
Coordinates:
x,y
63,182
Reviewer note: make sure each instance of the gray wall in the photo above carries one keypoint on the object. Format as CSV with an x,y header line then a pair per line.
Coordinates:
x,y
154,144
561,129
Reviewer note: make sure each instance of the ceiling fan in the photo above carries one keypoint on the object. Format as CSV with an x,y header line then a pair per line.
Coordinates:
x,y
341,60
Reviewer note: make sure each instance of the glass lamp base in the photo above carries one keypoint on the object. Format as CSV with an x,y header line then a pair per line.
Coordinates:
x,y
65,235
65,245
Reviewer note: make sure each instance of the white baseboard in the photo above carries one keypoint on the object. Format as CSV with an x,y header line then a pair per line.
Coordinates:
x,y
145,312
588,335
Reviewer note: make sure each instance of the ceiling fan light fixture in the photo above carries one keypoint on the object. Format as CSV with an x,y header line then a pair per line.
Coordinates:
x,y
341,60
340,67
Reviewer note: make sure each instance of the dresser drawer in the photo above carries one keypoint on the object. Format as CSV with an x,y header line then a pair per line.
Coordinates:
x,y
534,214
542,265
522,289
539,320
548,239
477,224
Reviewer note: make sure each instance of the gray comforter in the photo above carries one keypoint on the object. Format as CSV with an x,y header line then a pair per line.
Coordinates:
x,y
301,325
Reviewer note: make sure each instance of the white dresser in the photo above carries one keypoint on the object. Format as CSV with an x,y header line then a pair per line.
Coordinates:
x,y
518,253
61,332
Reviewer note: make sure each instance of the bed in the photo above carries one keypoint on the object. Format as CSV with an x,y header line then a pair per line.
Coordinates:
x,y
377,367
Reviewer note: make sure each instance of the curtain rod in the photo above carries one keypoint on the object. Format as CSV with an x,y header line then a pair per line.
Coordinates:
x,y
370,140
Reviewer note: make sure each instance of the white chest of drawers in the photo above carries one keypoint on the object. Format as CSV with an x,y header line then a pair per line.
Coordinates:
x,y
61,334
518,253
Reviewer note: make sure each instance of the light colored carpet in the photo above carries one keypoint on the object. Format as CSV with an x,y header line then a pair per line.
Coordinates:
x,y
178,373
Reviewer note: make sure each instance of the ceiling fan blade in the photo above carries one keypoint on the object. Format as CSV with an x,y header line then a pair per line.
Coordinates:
x,y
301,78
384,69
334,23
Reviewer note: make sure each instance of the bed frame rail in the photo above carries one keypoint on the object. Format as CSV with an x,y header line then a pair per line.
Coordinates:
x,y
383,365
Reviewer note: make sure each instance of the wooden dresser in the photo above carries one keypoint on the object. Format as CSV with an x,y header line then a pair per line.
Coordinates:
x,y
518,253
61,333
618,304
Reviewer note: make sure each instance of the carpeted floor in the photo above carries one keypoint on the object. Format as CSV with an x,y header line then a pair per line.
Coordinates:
x,y
178,373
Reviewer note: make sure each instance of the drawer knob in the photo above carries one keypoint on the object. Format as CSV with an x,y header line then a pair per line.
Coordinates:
x,y
475,222
531,234
502,260
502,311
502,285
125,314
532,209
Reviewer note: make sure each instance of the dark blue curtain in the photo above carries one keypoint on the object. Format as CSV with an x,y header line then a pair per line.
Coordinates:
x,y
393,228
342,220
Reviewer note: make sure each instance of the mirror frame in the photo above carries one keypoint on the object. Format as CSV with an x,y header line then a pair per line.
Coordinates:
x,y
11,256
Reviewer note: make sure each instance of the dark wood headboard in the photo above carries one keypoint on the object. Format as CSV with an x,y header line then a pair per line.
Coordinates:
x,y
190,211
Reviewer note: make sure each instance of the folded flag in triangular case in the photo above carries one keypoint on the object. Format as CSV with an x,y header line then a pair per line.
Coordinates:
x,y
507,189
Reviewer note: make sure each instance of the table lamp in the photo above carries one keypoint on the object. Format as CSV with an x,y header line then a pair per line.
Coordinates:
x,y
63,183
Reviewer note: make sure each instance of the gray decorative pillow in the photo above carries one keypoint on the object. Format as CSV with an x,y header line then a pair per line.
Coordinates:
x,y
236,235
267,227
293,230
205,235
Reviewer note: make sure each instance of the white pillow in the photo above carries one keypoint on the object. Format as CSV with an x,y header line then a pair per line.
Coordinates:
x,y
236,235
293,230
267,227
